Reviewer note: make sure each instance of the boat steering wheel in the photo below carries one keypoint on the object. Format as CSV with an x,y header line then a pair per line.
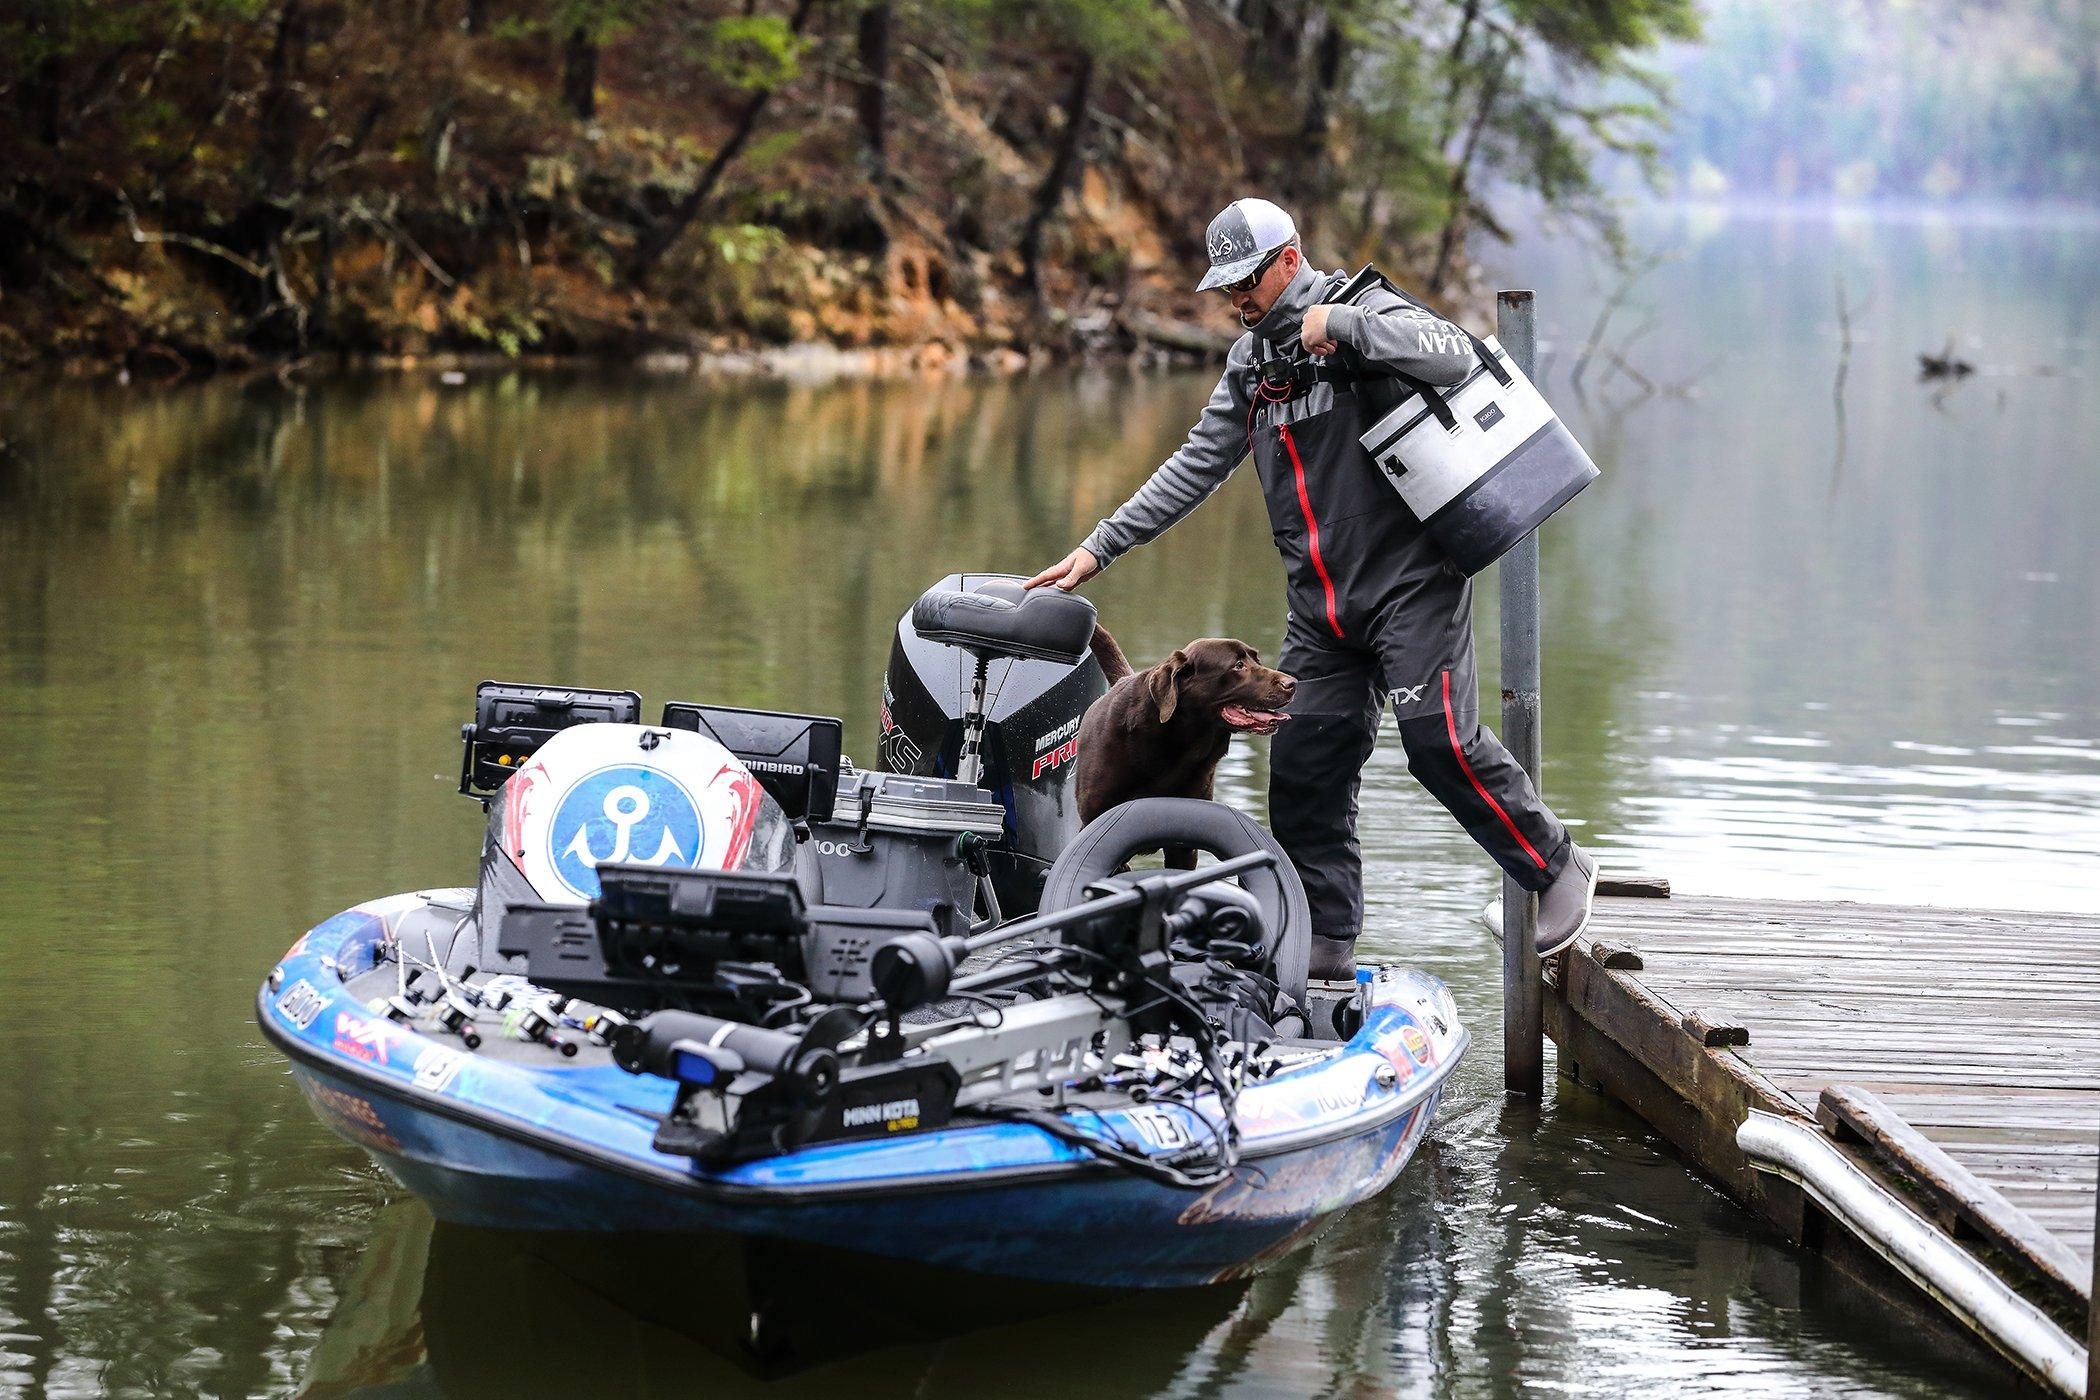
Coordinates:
x,y
1154,823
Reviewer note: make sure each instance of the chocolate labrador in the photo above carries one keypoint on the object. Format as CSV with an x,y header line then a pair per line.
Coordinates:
x,y
1160,732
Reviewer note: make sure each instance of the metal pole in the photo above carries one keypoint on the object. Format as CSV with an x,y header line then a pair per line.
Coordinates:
x,y
2092,1312
1523,1033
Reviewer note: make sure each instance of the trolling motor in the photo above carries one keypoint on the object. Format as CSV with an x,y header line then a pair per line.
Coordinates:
x,y
749,1091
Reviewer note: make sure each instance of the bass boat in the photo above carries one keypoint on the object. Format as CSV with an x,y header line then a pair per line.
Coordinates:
x,y
711,977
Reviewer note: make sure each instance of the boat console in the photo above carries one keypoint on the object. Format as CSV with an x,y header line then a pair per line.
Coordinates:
x,y
794,757
764,1066
512,722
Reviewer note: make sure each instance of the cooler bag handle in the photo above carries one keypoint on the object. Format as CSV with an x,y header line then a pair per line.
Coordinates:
x,y
1434,398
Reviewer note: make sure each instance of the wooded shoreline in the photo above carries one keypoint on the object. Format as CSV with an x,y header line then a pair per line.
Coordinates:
x,y
193,185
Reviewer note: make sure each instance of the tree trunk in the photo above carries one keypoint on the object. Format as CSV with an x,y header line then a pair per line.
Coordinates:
x,y
872,46
1306,178
1454,234
40,94
42,99
321,317
657,239
579,74
276,120
1288,25
1051,192
1455,61
476,18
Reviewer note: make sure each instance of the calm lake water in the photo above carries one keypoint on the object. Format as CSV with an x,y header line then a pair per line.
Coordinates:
x,y
239,626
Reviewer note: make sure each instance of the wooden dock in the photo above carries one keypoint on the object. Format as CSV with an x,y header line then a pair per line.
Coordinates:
x,y
1955,1054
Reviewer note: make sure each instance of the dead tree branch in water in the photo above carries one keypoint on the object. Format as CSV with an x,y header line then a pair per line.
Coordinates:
x,y
1845,311
1674,389
1617,357
1634,274
1618,362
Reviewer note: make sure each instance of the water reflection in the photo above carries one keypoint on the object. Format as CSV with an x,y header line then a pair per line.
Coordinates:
x,y
1400,1300
237,625
464,1313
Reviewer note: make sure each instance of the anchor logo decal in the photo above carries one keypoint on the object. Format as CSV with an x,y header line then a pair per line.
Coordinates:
x,y
619,815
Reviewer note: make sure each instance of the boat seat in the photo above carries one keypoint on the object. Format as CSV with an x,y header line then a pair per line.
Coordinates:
x,y
999,618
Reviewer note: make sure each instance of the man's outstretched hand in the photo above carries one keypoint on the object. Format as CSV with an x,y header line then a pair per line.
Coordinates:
x,y
1069,572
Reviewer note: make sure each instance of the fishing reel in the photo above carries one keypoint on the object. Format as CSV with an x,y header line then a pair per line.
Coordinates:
x,y
1283,379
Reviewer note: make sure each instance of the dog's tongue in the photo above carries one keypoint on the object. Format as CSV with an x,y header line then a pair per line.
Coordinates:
x,y
1254,721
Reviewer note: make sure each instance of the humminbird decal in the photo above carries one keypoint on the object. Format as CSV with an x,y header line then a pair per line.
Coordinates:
x,y
895,1116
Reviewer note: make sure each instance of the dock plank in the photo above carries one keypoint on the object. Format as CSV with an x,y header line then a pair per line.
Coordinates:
x,y
1975,1032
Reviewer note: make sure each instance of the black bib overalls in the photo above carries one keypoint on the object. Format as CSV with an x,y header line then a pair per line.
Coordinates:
x,y
1377,614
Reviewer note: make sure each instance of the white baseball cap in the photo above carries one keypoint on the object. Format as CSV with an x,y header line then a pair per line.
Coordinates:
x,y
1245,232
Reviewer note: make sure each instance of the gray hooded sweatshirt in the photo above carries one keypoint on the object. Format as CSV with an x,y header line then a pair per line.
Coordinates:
x,y
1383,329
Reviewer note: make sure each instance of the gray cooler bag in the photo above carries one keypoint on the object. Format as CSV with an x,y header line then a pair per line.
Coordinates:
x,y
1481,464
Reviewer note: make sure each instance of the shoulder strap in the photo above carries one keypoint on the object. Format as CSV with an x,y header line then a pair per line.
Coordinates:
x,y
1370,277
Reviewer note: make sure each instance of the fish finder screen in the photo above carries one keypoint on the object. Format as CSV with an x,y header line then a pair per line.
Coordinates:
x,y
512,721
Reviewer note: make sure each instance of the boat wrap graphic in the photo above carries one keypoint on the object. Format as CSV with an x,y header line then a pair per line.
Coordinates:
x,y
569,1144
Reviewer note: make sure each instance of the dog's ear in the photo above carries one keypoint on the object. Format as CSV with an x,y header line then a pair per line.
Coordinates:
x,y
1165,681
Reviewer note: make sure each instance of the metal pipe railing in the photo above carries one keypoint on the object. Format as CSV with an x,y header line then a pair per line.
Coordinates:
x,y
1918,1250
2092,1310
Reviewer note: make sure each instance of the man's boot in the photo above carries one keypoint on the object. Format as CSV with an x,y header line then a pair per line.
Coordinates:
x,y
1564,905
1333,960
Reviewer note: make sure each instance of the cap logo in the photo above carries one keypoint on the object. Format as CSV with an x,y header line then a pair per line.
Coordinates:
x,y
1226,245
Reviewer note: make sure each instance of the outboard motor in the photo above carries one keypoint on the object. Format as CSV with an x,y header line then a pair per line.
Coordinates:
x,y
1038,682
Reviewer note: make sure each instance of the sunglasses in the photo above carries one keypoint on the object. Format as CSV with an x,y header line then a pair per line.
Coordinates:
x,y
1246,284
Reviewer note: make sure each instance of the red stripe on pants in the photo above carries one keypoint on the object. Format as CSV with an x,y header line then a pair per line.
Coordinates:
x,y
1451,728
1312,531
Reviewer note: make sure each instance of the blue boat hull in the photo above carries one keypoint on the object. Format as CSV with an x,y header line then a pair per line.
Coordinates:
x,y
494,1145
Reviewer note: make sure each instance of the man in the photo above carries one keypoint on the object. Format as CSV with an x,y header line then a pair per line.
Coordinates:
x,y
1377,612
